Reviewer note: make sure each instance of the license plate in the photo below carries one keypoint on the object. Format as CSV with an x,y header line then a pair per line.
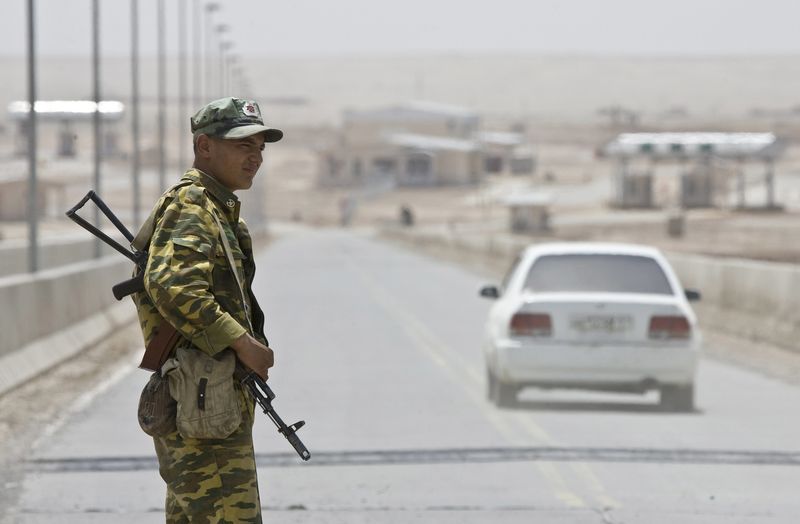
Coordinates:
x,y
602,323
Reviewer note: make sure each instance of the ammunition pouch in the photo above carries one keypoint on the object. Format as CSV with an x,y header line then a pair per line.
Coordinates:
x,y
203,386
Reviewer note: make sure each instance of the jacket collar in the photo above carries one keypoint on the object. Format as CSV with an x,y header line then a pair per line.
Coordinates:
x,y
226,200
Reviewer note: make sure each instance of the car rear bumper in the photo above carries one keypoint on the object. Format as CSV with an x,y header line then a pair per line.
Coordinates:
x,y
572,365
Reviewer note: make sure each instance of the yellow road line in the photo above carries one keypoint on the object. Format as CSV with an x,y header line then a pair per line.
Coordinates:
x,y
439,353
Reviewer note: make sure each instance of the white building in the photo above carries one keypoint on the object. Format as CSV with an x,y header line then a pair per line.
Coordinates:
x,y
420,144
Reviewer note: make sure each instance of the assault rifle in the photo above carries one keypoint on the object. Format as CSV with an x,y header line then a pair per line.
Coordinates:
x,y
166,336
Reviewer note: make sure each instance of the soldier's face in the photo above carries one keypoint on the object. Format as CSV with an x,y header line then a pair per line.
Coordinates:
x,y
234,163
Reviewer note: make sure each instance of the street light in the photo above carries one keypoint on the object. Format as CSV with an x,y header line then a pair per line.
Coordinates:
x,y
135,164
210,8
162,88
196,54
224,46
33,208
96,115
181,81
233,72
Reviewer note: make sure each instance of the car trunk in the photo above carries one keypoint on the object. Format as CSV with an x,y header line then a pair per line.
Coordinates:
x,y
600,318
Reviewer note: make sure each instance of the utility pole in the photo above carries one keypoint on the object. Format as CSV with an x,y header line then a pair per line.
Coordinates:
x,y
135,162
33,208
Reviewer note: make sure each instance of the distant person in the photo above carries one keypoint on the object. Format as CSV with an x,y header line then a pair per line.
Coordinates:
x,y
209,466
347,208
406,216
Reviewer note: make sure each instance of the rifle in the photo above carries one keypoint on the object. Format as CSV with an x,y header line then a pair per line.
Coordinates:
x,y
166,336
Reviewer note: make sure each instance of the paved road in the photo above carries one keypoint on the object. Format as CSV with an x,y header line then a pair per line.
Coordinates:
x,y
378,349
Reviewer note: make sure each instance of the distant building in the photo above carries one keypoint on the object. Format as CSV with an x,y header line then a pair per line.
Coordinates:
x,y
420,144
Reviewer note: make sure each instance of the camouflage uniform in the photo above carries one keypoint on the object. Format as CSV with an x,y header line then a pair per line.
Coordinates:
x,y
189,283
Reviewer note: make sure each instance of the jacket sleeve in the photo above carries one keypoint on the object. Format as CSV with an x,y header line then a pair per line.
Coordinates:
x,y
178,277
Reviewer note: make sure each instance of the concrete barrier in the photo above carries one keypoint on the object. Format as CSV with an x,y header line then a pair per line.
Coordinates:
x,y
57,313
53,252
37,305
754,300
750,299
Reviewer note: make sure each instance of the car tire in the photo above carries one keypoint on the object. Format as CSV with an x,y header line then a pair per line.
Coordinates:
x,y
677,398
502,395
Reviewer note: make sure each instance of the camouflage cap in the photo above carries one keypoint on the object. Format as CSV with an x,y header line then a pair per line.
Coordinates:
x,y
232,118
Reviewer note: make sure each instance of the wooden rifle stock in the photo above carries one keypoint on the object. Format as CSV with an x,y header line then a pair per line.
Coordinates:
x,y
160,346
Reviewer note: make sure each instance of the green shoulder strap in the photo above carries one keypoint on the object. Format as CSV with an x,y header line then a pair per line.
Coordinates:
x,y
232,263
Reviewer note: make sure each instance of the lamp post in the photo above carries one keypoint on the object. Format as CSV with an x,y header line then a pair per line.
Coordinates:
x,y
197,71
162,88
210,8
233,68
33,208
181,81
135,164
96,115
224,47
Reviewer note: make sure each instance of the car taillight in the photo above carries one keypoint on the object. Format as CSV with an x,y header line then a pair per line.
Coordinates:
x,y
669,327
530,325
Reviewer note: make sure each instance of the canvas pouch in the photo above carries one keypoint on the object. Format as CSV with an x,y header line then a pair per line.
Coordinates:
x,y
207,401
157,408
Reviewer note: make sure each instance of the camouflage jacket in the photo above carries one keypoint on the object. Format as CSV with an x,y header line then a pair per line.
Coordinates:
x,y
188,280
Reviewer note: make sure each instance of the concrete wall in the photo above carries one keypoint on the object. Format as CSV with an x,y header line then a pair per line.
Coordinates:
x,y
750,299
753,300
53,252
38,305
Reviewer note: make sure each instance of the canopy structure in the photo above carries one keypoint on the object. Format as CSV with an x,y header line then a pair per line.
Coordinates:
x,y
66,113
703,148
67,110
695,145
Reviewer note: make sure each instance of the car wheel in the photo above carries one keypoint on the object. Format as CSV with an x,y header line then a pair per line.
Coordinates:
x,y
502,395
677,398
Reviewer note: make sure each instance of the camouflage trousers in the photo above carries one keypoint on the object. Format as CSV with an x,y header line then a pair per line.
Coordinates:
x,y
210,481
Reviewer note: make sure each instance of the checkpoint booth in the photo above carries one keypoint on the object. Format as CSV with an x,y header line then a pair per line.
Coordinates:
x,y
529,213
702,164
68,114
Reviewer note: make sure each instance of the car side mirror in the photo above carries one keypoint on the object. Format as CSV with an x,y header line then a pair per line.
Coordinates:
x,y
692,295
490,292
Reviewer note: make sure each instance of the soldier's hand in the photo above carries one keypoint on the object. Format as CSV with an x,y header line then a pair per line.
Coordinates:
x,y
254,355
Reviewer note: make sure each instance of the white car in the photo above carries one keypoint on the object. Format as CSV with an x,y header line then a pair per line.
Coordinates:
x,y
596,316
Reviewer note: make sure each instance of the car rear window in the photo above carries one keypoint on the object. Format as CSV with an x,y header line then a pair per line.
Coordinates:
x,y
595,273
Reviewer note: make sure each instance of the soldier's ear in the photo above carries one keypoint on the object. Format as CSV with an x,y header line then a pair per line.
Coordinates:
x,y
202,146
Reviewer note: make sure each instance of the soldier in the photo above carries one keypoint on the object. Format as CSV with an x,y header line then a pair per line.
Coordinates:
x,y
189,283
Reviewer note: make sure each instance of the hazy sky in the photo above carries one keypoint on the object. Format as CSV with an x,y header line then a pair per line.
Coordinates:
x,y
325,27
